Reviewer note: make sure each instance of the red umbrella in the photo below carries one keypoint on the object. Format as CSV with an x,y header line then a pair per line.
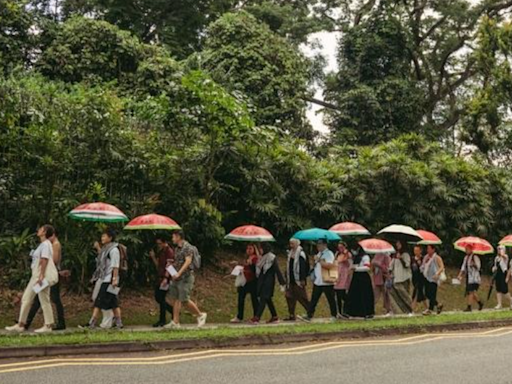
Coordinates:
x,y
348,228
152,221
99,212
506,241
250,233
373,246
480,246
429,238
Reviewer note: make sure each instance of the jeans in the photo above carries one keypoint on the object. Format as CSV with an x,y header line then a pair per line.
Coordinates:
x,y
250,288
163,305
328,291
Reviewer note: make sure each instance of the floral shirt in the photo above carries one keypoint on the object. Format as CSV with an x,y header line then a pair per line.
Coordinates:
x,y
180,257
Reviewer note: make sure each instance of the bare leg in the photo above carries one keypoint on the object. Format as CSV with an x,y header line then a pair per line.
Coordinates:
x,y
193,308
176,305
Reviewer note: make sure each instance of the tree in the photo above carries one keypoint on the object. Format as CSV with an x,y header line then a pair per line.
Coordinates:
x,y
247,57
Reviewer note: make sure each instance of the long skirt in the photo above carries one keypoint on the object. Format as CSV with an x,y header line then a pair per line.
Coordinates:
x,y
360,299
401,298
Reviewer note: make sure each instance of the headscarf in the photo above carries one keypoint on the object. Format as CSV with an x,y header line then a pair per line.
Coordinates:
x,y
265,263
297,254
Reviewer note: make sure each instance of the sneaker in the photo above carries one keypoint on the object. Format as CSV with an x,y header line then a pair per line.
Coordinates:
x,y
118,324
273,320
389,314
159,324
290,318
255,320
427,312
498,307
201,319
172,325
15,328
305,318
44,329
410,314
235,320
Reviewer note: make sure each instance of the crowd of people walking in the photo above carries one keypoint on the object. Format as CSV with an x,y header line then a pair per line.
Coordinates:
x,y
352,282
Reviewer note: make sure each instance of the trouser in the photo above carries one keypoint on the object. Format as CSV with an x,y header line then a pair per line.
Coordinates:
x,y
163,305
250,288
263,302
28,298
381,290
328,291
296,293
55,299
431,293
401,297
341,297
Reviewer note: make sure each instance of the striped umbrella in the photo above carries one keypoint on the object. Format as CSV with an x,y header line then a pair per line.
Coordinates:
x,y
348,228
250,233
373,246
429,238
480,246
506,241
98,212
152,222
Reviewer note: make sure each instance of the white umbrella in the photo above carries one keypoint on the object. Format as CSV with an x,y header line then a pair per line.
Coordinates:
x,y
401,231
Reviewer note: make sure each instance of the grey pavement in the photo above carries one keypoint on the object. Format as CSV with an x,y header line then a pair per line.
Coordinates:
x,y
467,359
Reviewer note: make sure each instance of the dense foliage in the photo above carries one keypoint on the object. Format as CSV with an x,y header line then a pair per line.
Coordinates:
x,y
198,112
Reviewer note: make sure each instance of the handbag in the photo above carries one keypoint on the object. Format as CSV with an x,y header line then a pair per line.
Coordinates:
x,y
51,274
240,280
330,275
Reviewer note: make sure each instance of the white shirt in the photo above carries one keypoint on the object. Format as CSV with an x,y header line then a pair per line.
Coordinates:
x,y
328,257
43,251
364,264
113,261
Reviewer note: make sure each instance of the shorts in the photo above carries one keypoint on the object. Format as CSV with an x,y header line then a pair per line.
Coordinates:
x,y
106,300
472,288
180,290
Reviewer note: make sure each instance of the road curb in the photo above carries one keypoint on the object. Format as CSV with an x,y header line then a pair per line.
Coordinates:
x,y
257,340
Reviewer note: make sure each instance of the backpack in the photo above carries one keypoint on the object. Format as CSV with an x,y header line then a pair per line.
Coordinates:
x,y
123,257
196,259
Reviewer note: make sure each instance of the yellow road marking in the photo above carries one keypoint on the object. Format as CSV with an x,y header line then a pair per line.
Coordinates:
x,y
216,353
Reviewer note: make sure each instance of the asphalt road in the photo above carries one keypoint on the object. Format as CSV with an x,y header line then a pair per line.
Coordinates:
x,y
467,357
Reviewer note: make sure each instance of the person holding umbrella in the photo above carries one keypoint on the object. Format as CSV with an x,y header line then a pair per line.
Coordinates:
x,y
470,269
502,276
432,268
296,274
162,258
250,287
267,270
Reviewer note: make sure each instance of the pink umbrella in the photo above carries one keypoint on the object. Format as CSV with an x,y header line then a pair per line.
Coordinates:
x,y
429,238
349,228
506,241
373,246
480,246
99,212
152,222
250,233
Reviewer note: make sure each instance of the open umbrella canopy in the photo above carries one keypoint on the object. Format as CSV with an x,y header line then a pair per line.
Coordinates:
x,y
373,246
349,228
429,238
506,241
152,222
251,233
403,232
315,234
98,212
480,246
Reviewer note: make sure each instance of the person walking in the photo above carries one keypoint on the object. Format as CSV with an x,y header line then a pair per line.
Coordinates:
x,y
183,281
267,270
470,269
400,269
360,299
502,276
251,283
324,260
54,290
107,279
380,268
432,268
418,280
43,270
162,258
296,275
344,259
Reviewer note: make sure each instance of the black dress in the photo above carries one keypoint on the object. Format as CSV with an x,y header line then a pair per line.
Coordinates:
x,y
501,284
360,300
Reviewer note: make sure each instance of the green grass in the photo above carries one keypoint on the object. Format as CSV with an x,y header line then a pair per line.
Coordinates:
x,y
223,332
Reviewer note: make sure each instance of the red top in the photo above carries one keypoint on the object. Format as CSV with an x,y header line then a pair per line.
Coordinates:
x,y
249,268
164,255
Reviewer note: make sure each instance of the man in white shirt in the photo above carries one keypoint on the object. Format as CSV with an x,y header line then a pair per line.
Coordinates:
x,y
323,260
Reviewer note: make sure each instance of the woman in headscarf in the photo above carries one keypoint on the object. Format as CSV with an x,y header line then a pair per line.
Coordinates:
x,y
502,274
266,271
296,275
360,299
251,284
